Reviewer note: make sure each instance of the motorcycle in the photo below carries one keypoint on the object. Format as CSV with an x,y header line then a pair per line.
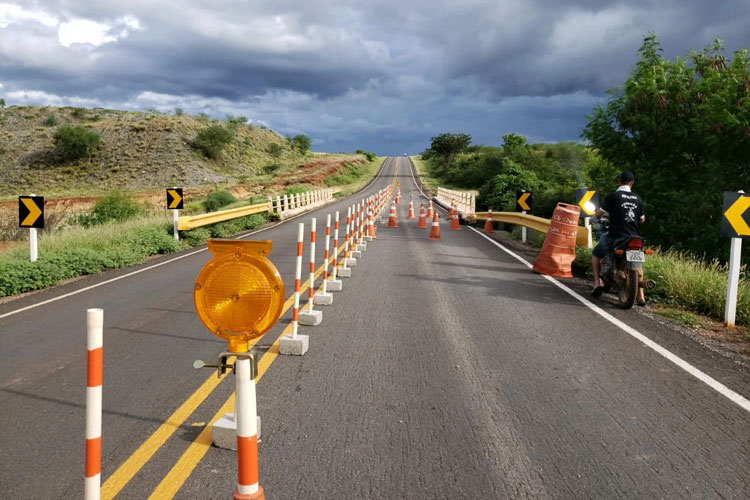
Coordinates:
x,y
621,271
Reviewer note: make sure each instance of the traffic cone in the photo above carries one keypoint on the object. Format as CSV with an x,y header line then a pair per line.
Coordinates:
x,y
392,218
488,225
435,229
454,219
429,210
422,220
370,226
411,211
559,248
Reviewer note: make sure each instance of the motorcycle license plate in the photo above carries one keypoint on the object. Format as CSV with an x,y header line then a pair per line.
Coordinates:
x,y
635,256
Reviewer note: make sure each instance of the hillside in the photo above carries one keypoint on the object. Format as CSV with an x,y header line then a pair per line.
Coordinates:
x,y
138,150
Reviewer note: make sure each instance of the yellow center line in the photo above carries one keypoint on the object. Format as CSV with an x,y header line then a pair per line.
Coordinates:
x,y
120,478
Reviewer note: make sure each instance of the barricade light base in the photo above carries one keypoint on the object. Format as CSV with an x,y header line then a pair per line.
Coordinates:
x,y
258,495
350,261
310,318
323,299
335,285
344,273
294,346
224,432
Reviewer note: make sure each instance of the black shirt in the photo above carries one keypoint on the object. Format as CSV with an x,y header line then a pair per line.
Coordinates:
x,y
625,212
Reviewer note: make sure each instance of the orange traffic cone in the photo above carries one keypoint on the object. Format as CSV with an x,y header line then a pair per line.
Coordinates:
x,y
454,219
370,225
429,210
392,218
559,248
422,220
435,229
488,225
411,211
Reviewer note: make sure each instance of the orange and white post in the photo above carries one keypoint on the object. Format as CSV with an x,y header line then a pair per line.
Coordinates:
x,y
311,317
246,415
296,344
94,375
324,297
335,285
345,271
361,243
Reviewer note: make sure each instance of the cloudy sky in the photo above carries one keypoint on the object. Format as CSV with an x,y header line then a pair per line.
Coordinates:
x,y
380,75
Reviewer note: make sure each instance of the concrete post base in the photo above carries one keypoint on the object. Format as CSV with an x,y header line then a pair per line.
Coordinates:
x,y
308,318
224,432
323,299
350,262
368,238
334,285
356,254
344,273
295,347
362,247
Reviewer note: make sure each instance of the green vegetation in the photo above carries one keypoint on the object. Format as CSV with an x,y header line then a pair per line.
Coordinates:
x,y
213,140
301,143
117,206
52,120
275,150
683,128
217,200
368,154
2,102
74,142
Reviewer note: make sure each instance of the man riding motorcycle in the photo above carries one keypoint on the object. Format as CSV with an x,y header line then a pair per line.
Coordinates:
x,y
626,215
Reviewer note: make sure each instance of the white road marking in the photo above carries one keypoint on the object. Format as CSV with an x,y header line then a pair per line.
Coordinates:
x,y
85,289
695,372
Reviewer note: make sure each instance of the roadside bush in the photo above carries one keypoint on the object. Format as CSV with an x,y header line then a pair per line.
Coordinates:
x,y
297,189
51,120
75,142
212,140
218,199
196,236
116,206
271,168
152,240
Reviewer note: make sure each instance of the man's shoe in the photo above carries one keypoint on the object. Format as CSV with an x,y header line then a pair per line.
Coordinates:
x,y
597,292
641,303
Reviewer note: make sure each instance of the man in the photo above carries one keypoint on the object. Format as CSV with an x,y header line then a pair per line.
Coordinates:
x,y
625,210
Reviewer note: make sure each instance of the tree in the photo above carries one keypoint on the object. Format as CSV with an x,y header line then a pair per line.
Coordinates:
x,y
2,102
212,140
500,191
275,149
75,142
447,146
683,128
301,143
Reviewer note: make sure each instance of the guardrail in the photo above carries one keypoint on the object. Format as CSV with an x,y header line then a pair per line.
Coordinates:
x,y
530,221
464,200
284,207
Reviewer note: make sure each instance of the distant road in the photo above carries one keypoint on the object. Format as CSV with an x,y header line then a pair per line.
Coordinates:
x,y
443,370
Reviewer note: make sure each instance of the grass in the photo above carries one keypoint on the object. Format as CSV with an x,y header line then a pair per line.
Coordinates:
x,y
356,177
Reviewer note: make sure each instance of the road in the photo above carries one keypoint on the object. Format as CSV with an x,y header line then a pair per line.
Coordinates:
x,y
443,370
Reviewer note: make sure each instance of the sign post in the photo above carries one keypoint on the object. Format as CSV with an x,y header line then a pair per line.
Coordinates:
x,y
735,226
175,203
524,203
31,215
588,200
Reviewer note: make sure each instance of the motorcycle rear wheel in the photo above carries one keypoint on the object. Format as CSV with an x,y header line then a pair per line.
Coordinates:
x,y
629,290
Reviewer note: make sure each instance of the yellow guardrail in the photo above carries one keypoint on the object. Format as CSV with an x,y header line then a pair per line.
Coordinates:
x,y
188,222
530,221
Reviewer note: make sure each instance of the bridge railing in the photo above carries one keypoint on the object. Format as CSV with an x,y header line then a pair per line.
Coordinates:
x,y
465,201
284,207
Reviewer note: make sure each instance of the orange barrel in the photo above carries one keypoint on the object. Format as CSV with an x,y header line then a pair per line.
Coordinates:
x,y
559,249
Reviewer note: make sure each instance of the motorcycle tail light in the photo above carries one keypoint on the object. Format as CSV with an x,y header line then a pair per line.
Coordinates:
x,y
619,252
649,252
635,244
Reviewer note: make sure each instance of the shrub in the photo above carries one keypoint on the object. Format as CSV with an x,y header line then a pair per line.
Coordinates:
x,y
217,200
78,112
196,236
2,102
51,120
116,206
74,142
271,168
152,240
275,149
178,111
301,143
212,140
236,120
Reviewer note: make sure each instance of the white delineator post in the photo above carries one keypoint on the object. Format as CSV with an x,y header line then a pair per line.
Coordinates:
x,y
246,415
733,280
349,261
311,317
523,230
94,375
296,344
33,243
587,226
335,285
325,298
175,221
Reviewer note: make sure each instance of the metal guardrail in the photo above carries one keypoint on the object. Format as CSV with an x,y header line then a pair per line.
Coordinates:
x,y
284,208
530,221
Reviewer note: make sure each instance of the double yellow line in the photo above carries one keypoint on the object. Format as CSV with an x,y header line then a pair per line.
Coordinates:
x,y
180,472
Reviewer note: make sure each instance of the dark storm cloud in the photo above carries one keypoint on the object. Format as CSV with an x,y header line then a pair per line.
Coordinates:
x,y
384,76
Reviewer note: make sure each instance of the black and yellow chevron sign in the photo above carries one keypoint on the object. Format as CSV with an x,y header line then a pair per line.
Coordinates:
x,y
174,199
736,221
524,201
31,211
588,200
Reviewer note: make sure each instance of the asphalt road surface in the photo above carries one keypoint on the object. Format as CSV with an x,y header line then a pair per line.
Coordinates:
x,y
442,370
